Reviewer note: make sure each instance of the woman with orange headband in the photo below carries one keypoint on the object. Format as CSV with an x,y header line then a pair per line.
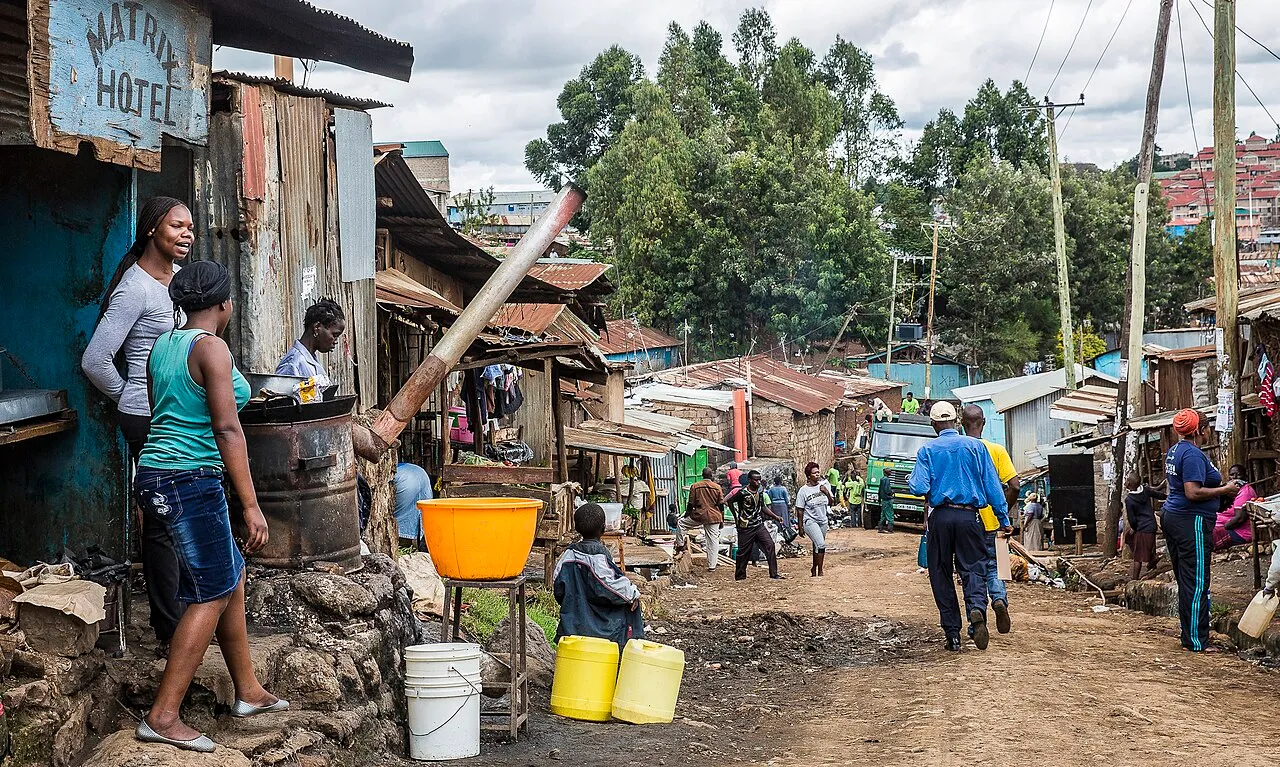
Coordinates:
x,y
1195,487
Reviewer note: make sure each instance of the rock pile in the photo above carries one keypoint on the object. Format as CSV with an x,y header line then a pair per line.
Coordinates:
x,y
329,643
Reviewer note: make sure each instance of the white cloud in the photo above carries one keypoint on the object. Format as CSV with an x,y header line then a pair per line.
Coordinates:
x,y
487,74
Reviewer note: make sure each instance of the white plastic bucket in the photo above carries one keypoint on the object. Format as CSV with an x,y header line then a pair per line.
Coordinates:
x,y
435,660
443,701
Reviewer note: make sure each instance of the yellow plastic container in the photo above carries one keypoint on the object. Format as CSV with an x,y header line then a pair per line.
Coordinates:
x,y
586,673
479,539
648,683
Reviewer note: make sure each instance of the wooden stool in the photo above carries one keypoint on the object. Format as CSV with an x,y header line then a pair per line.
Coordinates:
x,y
1079,530
516,717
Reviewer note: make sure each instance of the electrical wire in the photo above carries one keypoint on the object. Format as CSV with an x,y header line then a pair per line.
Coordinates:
x,y
1252,92
1191,113
1097,64
1246,34
1072,47
1036,55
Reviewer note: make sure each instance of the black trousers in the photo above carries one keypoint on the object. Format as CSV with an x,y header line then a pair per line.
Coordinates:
x,y
957,534
749,541
1190,539
159,559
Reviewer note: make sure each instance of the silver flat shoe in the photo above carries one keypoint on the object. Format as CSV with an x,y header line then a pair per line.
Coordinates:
x,y
242,710
201,744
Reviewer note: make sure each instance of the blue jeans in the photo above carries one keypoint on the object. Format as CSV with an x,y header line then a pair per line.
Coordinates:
x,y
412,485
995,587
192,506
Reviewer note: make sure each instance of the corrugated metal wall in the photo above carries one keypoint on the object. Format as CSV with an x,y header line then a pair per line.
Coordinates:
x,y
1029,425
274,211
66,222
943,379
666,477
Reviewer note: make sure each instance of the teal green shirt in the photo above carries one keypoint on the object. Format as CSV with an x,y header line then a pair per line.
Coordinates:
x,y
181,428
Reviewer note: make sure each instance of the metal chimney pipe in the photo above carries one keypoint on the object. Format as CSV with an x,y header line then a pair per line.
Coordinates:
x,y
372,443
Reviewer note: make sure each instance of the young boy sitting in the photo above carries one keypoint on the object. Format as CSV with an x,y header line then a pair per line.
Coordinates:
x,y
596,599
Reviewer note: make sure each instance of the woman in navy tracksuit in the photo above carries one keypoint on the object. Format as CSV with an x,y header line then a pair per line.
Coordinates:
x,y
1195,487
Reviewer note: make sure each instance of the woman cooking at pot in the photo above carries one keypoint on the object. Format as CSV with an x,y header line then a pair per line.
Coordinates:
x,y
323,324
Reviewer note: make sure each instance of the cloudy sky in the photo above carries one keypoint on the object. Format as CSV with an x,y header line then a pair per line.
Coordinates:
x,y
487,73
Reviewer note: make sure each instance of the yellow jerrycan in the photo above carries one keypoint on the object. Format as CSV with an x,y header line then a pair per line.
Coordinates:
x,y
586,672
648,683
1259,614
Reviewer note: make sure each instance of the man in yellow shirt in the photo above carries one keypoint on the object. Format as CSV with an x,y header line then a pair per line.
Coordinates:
x,y
974,421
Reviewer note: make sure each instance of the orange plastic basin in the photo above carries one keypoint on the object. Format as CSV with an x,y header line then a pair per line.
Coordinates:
x,y
479,539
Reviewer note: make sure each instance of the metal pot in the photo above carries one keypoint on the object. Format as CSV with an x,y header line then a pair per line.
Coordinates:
x,y
304,473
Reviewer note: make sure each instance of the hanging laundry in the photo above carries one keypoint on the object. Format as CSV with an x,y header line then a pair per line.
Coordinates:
x,y
1268,394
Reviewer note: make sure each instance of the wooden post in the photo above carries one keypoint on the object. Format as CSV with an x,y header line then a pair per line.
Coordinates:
x,y
928,327
562,452
1060,248
1225,266
893,305
1125,450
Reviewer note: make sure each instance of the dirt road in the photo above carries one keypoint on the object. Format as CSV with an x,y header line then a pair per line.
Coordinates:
x,y
848,669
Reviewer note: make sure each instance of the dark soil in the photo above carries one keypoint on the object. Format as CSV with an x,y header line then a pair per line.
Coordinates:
x,y
745,677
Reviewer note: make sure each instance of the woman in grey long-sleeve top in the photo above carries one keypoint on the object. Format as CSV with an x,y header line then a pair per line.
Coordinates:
x,y
135,311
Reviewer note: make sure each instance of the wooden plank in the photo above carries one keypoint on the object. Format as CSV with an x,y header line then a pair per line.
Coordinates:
x,y
65,422
513,475
492,490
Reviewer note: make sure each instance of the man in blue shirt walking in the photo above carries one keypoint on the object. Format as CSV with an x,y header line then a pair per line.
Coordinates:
x,y
957,478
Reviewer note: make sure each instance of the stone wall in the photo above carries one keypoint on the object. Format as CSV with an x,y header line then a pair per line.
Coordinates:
x,y
715,425
780,432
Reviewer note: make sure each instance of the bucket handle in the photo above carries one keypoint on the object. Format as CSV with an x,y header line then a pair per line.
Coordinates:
x,y
475,690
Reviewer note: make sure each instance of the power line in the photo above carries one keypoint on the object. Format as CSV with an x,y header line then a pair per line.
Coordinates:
x,y
1254,93
1036,55
1097,64
1072,47
1251,37
1191,113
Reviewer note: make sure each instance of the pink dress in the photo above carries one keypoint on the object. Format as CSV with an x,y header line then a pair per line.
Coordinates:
x,y
1224,538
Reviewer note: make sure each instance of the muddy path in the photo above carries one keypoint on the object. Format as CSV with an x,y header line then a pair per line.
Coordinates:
x,y
848,670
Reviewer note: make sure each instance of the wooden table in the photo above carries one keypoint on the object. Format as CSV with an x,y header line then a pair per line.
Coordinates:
x,y
516,717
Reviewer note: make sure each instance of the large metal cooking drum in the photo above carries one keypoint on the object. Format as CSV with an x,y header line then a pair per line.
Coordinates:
x,y
304,472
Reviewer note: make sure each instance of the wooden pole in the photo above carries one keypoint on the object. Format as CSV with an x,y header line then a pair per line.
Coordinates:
x,y
1130,406
831,349
562,452
928,327
893,305
1060,248
1225,266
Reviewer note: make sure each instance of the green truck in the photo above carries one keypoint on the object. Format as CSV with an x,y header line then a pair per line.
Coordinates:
x,y
893,451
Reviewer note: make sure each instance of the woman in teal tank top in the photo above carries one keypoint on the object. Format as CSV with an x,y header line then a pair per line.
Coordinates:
x,y
196,394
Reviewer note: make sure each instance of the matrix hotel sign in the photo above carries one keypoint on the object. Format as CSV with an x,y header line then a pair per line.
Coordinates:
x,y
119,75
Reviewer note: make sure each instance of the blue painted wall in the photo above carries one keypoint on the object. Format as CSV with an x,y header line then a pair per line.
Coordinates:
x,y
66,222
654,359
1109,363
944,378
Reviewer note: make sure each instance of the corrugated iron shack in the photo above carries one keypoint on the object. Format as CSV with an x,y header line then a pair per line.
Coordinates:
x,y
88,128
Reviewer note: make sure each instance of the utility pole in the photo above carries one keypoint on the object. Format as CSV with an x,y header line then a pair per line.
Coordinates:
x,y
1225,267
1125,454
1060,242
928,327
832,349
893,305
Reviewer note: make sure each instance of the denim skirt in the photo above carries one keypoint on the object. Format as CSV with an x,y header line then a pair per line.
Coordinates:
x,y
192,504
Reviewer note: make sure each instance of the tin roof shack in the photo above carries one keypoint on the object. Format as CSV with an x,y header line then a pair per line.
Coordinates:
x,y
100,124
792,414
908,366
1018,409
1183,378
647,349
860,393
709,411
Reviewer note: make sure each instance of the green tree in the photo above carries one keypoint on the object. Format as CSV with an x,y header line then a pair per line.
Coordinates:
x,y
473,207
757,44
867,121
996,279
594,107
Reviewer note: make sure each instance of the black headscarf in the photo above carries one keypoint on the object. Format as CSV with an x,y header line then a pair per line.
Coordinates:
x,y
199,286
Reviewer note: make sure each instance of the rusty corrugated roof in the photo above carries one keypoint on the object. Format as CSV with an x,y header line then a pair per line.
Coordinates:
x,y
572,274
1190,353
770,380
856,386
396,287
293,89
622,336
551,322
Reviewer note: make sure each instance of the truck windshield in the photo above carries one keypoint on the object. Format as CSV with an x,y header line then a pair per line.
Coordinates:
x,y
901,447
